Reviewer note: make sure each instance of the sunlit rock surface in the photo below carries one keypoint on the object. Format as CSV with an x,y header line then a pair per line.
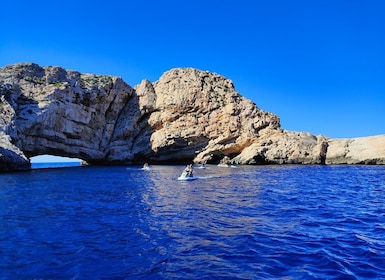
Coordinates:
x,y
187,115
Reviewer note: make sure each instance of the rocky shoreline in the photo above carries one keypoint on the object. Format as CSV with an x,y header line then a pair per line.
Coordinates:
x,y
187,115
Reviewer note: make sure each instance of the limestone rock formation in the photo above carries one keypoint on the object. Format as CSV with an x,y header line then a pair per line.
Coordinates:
x,y
363,150
286,147
199,115
11,158
53,111
187,115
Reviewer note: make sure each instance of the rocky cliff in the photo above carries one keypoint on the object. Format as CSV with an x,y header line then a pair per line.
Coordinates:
x,y
186,115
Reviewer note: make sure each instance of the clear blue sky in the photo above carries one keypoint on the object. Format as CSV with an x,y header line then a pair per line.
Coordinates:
x,y
318,65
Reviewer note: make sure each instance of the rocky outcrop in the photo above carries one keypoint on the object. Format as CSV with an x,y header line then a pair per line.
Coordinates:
x,y
11,158
286,147
186,115
53,111
363,150
199,115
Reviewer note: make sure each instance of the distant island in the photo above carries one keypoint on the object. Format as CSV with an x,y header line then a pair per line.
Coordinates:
x,y
188,115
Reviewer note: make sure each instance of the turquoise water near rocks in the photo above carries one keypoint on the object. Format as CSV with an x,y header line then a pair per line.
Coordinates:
x,y
249,222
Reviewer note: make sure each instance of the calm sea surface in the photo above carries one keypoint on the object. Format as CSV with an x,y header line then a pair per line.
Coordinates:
x,y
249,222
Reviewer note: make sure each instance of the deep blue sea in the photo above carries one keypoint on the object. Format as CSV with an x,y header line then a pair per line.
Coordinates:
x,y
249,222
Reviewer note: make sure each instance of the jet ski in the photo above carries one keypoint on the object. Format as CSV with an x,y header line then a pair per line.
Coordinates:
x,y
185,177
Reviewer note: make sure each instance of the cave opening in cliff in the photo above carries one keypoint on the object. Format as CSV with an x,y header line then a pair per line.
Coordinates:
x,y
51,161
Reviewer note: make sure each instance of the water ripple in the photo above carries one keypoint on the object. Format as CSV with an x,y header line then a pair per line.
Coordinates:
x,y
261,222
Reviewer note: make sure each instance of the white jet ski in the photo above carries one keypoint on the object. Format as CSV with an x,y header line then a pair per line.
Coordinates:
x,y
185,177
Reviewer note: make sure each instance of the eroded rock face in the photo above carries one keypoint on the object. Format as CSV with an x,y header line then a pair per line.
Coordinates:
x,y
199,115
11,158
186,115
53,111
363,150
284,147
